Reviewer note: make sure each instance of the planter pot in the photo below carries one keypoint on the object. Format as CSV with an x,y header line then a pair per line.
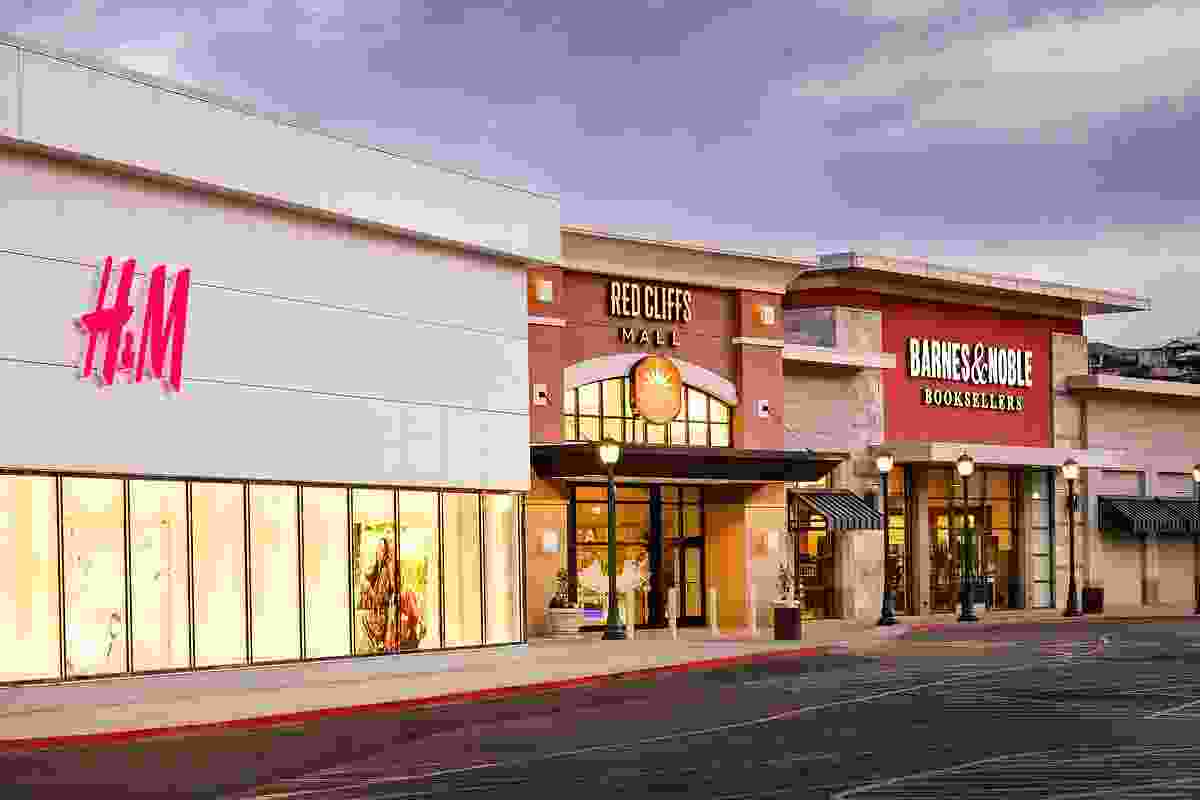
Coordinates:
x,y
1093,599
787,619
564,622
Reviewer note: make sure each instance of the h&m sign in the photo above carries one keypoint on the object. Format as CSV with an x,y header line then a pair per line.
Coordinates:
x,y
977,365
162,325
649,301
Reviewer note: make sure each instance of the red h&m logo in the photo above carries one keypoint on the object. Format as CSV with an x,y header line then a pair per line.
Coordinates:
x,y
162,325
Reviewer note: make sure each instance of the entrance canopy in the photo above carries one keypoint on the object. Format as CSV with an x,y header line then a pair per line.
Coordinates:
x,y
1140,515
842,511
577,460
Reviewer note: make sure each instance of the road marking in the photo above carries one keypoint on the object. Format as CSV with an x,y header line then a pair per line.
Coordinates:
x,y
791,713
1172,710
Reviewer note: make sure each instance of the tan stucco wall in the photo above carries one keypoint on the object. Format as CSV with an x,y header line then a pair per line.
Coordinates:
x,y
828,408
1118,567
1122,421
1176,573
726,558
859,558
545,510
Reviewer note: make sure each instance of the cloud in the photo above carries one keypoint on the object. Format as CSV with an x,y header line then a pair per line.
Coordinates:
x,y
1055,71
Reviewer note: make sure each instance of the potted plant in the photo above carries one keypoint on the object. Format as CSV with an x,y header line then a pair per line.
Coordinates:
x,y
1093,597
785,609
565,617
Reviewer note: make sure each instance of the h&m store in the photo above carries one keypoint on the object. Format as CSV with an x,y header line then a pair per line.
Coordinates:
x,y
342,421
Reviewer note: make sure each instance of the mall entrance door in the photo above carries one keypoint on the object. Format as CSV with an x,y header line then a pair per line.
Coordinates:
x,y
660,544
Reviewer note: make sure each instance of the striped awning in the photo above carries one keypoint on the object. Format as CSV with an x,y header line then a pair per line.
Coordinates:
x,y
842,511
1148,514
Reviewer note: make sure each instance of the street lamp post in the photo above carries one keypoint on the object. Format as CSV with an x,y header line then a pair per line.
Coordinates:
x,y
966,591
1070,470
610,453
887,613
1196,537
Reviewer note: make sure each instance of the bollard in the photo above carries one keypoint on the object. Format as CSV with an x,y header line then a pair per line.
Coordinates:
x,y
673,611
753,613
712,612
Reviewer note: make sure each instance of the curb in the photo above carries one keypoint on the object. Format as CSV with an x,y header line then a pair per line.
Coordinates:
x,y
453,698
1058,620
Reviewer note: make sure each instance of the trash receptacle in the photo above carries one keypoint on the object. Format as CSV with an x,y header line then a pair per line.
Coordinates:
x,y
787,621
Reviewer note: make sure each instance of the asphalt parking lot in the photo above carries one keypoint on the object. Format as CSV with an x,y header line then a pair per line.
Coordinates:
x,y
1069,710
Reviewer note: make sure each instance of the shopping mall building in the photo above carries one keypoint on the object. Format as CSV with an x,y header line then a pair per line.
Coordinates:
x,y
274,396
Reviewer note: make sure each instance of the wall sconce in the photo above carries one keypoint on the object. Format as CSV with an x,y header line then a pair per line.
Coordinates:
x,y
766,315
541,394
549,541
772,541
544,291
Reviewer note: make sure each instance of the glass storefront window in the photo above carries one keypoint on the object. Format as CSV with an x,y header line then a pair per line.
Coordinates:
x,y
502,531
463,590
219,566
28,578
159,574
1040,487
601,409
719,436
326,572
373,545
613,404
589,400
274,573
697,405
420,605
94,579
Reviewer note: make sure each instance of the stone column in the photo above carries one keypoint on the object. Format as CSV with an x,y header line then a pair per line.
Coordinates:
x,y
917,529
1150,569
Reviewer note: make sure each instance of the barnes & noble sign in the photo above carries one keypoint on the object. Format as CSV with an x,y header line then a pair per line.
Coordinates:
x,y
975,365
652,302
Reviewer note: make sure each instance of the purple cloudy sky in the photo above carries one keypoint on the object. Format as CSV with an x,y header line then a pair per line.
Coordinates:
x,y
1057,141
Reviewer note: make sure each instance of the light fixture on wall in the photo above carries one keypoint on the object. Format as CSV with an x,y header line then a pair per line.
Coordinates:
x,y
549,541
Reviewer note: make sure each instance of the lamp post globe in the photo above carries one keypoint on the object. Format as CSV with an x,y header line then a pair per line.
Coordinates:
x,y
966,590
610,453
1196,535
1070,471
887,612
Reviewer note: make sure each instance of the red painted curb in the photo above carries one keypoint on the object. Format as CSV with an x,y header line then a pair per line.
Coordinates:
x,y
397,705
939,626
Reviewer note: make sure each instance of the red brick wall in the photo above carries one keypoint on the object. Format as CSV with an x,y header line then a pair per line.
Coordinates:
x,y
545,366
760,377
591,332
906,417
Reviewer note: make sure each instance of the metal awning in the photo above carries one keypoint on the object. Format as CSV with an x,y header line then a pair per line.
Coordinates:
x,y
580,461
1147,514
842,511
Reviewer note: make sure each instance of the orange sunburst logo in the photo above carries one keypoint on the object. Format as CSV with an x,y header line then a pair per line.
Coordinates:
x,y
657,390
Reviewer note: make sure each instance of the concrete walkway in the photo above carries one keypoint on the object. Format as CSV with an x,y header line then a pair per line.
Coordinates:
x,y
119,707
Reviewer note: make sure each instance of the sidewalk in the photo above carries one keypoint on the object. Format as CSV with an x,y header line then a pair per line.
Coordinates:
x,y
159,704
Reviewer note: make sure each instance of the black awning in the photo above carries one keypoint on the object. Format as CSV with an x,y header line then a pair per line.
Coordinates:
x,y
581,460
842,511
1187,509
1146,515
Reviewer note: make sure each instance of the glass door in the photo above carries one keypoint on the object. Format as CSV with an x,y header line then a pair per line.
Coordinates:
x,y
691,572
946,553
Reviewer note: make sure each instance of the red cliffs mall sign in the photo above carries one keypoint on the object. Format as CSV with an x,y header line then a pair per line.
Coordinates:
x,y
657,390
653,302
977,365
104,328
